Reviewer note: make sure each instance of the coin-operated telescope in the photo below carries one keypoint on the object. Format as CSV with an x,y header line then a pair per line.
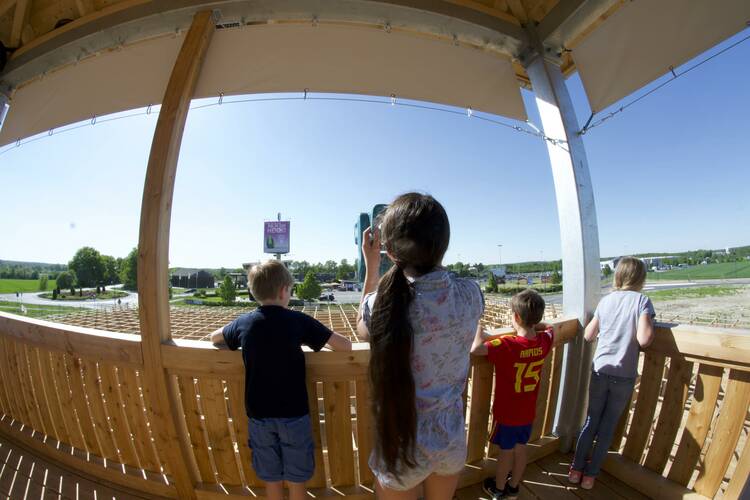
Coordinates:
x,y
364,221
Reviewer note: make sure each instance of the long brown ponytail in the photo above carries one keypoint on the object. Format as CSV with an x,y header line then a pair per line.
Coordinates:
x,y
415,230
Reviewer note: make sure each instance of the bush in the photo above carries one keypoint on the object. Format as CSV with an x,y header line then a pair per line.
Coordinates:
x,y
491,284
43,283
65,280
227,292
309,289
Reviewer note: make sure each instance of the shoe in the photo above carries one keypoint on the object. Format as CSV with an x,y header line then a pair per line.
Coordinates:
x,y
490,488
574,476
510,492
587,482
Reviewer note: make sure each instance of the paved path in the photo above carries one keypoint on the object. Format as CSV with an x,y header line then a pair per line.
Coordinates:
x,y
35,299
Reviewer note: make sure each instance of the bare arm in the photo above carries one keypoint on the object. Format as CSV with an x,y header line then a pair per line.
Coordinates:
x,y
592,330
371,256
478,348
362,331
217,337
645,332
338,342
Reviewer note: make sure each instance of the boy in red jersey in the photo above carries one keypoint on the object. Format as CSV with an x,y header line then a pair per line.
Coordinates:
x,y
518,361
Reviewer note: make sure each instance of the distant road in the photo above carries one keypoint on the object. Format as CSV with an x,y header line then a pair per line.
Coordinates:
x,y
35,299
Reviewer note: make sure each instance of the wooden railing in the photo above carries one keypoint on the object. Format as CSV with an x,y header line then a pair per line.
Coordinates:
x,y
694,381
76,396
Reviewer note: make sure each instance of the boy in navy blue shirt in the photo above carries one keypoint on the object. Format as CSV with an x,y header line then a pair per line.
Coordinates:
x,y
271,339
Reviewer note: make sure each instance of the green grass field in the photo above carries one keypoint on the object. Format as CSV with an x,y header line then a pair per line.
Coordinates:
x,y
694,293
108,295
33,310
13,286
709,271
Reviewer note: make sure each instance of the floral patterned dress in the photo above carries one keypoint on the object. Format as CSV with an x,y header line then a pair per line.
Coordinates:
x,y
444,316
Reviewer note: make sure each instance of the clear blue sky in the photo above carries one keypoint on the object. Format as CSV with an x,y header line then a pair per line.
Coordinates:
x,y
670,174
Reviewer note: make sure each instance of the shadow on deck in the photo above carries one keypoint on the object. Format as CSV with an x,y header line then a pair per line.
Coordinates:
x,y
24,475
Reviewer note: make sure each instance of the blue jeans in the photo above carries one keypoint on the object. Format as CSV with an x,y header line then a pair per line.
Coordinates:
x,y
608,397
283,448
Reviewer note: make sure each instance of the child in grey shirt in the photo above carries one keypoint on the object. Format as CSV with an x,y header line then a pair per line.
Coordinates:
x,y
623,324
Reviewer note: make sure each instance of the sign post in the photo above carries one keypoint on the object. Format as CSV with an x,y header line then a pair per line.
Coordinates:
x,y
276,237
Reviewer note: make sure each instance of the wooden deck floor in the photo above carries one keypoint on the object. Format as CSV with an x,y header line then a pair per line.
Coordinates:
x,y
26,476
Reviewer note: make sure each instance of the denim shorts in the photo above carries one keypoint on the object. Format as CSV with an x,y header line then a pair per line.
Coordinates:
x,y
508,436
283,448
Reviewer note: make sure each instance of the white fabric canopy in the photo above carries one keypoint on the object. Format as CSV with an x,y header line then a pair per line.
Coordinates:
x,y
271,58
350,59
116,80
644,38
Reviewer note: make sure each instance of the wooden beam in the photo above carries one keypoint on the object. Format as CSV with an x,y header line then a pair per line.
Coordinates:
x,y
5,6
647,482
153,252
20,17
516,7
84,7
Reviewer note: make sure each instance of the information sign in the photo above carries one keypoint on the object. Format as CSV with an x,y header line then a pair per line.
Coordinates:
x,y
276,237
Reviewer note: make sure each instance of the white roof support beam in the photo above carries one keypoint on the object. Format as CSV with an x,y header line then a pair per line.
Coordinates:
x,y
578,233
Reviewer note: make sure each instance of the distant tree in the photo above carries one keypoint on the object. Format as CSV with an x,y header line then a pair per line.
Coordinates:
x,y
556,278
227,291
491,284
43,283
88,266
607,271
111,275
129,271
345,270
65,280
309,289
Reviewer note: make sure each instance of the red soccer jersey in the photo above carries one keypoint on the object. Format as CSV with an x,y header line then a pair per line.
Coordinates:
x,y
518,365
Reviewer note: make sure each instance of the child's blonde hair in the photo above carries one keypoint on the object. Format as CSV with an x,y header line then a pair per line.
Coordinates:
x,y
266,279
630,274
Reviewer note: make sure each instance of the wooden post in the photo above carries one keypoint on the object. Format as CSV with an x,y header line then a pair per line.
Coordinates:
x,y
153,253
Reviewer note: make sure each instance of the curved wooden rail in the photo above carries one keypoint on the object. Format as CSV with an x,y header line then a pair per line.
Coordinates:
x,y
77,396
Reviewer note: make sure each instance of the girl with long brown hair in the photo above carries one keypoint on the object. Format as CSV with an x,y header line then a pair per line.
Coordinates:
x,y
420,320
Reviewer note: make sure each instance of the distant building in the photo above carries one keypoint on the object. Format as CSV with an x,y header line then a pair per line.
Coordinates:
x,y
612,263
192,278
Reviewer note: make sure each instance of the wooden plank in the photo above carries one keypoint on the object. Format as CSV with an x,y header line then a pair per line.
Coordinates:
x,y
727,430
217,427
741,474
39,385
93,468
196,428
116,412
53,397
73,368
537,427
29,388
670,415
65,397
97,345
9,383
649,483
318,480
236,391
365,432
339,432
4,389
479,410
20,19
556,467
723,345
705,394
153,255
98,414
136,418
554,390
648,394
14,378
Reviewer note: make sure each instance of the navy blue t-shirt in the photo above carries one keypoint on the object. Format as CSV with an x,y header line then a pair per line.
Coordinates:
x,y
271,338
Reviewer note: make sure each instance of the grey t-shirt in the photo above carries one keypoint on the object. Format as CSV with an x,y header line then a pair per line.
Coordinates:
x,y
617,347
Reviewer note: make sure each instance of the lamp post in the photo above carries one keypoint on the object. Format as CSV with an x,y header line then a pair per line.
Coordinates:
x,y
500,252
